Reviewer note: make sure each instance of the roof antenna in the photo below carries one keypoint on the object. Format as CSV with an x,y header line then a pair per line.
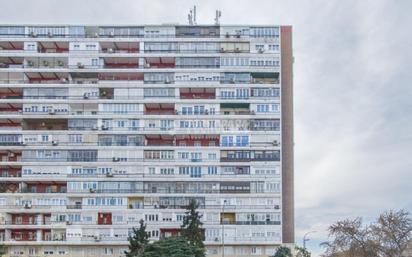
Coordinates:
x,y
217,17
190,17
194,15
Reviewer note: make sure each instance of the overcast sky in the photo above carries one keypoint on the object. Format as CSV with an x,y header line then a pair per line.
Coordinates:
x,y
353,92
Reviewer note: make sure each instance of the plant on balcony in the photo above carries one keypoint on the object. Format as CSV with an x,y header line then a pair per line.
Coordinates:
x,y
192,227
172,247
283,251
138,241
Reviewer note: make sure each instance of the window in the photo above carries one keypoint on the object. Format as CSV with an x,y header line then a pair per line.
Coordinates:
x,y
212,170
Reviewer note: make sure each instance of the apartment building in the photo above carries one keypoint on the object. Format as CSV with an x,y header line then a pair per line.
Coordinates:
x,y
101,126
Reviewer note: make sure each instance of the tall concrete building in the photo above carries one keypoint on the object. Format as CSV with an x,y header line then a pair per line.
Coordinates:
x,y
101,126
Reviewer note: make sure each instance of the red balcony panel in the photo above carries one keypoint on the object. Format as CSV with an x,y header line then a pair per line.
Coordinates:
x,y
159,140
201,140
23,235
159,109
46,187
122,77
8,156
10,172
169,232
121,65
104,218
23,219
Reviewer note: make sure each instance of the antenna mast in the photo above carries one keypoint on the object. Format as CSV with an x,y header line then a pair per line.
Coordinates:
x,y
217,17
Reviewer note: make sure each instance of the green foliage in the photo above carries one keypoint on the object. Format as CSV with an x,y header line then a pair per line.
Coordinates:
x,y
283,251
2,250
192,227
138,241
302,252
172,247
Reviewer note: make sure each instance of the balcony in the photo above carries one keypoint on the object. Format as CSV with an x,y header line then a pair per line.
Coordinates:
x,y
11,46
10,171
197,93
51,124
198,31
46,62
159,62
159,140
10,156
10,124
53,47
104,218
235,109
23,235
198,140
44,187
10,109
119,47
159,109
11,62
121,63
265,78
124,77
11,93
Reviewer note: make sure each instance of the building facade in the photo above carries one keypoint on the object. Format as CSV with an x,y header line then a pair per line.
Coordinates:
x,y
101,126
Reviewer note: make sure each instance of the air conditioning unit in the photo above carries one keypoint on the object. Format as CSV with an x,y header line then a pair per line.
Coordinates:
x,y
27,206
277,207
252,112
222,50
30,63
216,239
55,142
238,34
232,81
275,143
261,50
111,34
45,63
63,80
206,112
52,111
109,174
11,154
95,127
85,96
32,34
116,159
69,222
96,34
49,34
147,65
97,238
80,65
60,63
104,127
237,50
110,50
23,143
167,81
92,190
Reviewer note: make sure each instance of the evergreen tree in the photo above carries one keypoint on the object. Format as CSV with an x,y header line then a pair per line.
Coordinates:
x,y
172,247
137,241
2,250
192,227
283,251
